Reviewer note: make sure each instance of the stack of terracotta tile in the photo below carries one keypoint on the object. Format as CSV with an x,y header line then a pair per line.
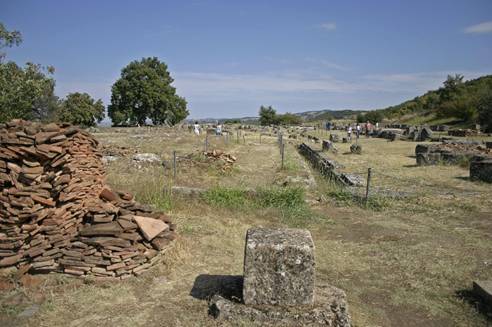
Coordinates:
x,y
57,214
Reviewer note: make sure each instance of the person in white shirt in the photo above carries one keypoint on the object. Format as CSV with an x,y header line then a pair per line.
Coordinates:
x,y
357,130
196,128
218,129
349,133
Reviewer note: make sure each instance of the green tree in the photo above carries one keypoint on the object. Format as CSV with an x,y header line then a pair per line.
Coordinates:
x,y
26,93
289,119
268,116
144,91
484,108
81,109
373,116
8,39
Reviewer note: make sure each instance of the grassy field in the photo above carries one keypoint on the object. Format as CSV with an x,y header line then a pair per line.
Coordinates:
x,y
407,258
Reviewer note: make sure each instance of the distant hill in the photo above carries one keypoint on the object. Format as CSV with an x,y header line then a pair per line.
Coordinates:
x,y
327,114
457,102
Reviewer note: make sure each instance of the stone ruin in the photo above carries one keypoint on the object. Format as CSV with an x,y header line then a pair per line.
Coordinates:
x,y
58,215
279,284
456,152
450,152
418,134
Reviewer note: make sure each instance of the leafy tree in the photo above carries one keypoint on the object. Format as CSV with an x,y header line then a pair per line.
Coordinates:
x,y
268,116
81,109
375,116
26,93
484,107
289,119
144,91
8,39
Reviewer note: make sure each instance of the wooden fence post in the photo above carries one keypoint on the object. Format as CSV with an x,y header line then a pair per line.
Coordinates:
x,y
368,183
174,164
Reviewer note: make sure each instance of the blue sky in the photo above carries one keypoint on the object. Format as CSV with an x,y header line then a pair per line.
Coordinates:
x,y
230,57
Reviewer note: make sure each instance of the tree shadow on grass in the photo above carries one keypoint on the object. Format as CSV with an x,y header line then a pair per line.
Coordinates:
x,y
229,287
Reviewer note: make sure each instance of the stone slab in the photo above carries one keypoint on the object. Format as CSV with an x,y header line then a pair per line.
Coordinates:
x,y
278,267
329,309
150,227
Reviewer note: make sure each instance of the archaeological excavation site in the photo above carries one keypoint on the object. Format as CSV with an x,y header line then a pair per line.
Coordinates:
x,y
245,163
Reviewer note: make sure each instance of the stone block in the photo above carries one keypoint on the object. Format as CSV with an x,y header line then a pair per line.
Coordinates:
x,y
278,267
483,289
481,169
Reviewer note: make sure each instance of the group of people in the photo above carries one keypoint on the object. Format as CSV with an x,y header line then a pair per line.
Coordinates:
x,y
365,128
197,128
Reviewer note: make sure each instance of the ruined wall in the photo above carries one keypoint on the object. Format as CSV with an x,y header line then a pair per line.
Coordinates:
x,y
450,152
327,168
57,214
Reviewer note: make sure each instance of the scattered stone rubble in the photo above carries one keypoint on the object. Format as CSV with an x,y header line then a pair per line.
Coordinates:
x,y
149,158
463,132
450,152
58,215
227,159
279,284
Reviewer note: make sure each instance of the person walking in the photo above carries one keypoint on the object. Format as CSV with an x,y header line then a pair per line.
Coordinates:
x,y
218,129
357,130
349,133
196,128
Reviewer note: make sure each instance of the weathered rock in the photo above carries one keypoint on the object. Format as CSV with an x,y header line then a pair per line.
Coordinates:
x,y
356,148
278,267
147,158
329,309
108,195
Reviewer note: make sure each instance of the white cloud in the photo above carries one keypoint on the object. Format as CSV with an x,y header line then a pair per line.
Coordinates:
x,y
485,27
325,63
329,26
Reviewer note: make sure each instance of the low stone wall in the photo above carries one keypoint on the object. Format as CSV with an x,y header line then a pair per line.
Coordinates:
x,y
327,167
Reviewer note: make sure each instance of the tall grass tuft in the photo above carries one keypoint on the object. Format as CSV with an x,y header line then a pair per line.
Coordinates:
x,y
288,202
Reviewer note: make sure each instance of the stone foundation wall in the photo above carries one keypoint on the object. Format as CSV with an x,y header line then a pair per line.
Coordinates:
x,y
326,167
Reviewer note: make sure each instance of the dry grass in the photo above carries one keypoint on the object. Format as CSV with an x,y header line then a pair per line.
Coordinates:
x,y
400,264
